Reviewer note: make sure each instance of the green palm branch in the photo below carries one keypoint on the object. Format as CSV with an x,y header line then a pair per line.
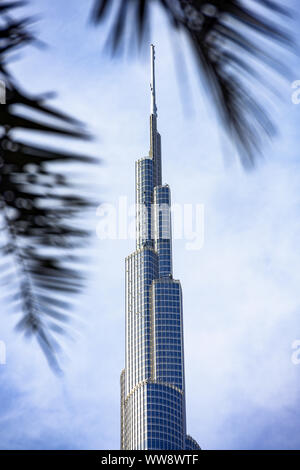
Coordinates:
x,y
39,205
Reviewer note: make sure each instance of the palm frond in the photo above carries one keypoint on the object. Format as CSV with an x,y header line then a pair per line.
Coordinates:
x,y
223,34
39,205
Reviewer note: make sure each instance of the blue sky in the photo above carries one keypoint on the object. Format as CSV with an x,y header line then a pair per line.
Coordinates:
x,y
241,290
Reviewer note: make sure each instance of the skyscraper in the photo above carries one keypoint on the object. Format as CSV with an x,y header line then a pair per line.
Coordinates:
x,y
152,384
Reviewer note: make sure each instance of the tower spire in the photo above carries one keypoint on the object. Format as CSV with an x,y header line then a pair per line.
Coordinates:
x,y
152,83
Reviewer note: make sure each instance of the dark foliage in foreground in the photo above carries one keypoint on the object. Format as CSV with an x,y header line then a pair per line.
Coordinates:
x,y
39,269
225,35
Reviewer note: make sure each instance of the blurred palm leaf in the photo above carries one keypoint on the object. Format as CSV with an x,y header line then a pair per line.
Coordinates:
x,y
224,35
39,205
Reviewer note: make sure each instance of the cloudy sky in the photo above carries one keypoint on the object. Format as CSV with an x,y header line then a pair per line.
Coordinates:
x,y
241,289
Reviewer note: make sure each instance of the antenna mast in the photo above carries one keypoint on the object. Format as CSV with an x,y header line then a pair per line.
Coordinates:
x,y
152,83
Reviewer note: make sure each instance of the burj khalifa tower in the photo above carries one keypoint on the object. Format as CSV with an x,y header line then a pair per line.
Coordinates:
x,y
153,415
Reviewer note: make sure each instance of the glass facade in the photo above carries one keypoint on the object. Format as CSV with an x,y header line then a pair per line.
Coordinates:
x,y
152,382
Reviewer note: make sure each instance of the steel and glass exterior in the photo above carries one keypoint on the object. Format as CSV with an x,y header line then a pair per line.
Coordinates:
x,y
152,384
